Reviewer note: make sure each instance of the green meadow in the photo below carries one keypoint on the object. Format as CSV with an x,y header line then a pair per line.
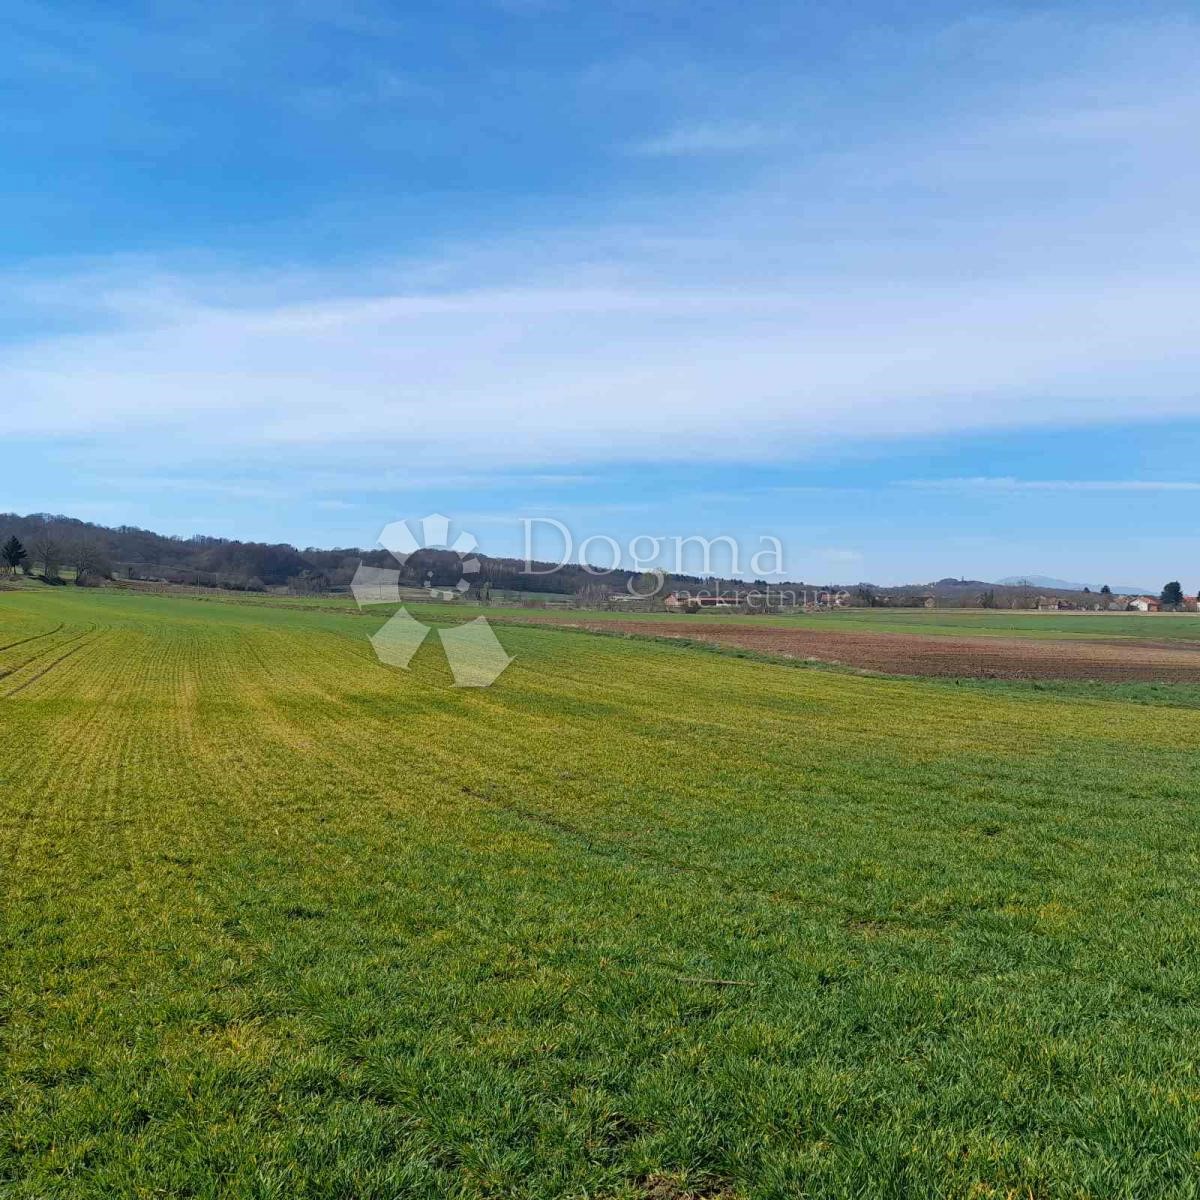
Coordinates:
x,y
638,921
945,622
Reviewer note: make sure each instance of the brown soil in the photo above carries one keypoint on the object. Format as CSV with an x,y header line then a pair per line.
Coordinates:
x,y
956,657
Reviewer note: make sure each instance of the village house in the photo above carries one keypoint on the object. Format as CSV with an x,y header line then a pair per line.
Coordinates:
x,y
685,602
1146,604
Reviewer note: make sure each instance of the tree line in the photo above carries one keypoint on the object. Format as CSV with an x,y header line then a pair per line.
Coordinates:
x,y
56,543
49,545
81,556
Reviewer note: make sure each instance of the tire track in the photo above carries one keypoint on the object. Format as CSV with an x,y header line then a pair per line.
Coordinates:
x,y
5,672
34,638
50,666
49,789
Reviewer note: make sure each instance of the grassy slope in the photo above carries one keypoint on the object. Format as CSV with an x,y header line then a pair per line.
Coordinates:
x,y
279,921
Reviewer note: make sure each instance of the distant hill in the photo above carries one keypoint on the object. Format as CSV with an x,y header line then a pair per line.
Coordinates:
x,y
128,552
1061,585
132,553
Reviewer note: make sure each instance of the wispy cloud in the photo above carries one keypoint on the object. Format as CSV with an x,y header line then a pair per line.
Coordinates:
x,y
984,483
1169,115
369,89
308,484
716,138
528,8
942,279
556,374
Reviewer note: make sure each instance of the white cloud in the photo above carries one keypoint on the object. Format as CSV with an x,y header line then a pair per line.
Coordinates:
x,y
546,374
961,277
1007,484
714,138
1172,115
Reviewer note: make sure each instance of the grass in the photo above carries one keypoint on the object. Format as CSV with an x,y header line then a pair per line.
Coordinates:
x,y
277,921
928,622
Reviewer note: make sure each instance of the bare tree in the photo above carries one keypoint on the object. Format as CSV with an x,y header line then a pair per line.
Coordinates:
x,y
46,550
591,595
88,562
306,583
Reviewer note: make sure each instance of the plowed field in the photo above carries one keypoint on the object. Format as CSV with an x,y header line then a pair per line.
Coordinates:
x,y
1114,660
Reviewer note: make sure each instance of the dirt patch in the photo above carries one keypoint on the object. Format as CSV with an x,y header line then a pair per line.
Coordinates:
x,y
663,1187
948,657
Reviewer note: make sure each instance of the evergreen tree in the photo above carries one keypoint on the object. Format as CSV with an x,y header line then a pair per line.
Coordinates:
x,y
1172,594
13,554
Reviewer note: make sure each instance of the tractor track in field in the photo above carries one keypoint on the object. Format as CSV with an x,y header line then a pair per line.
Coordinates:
x,y
1108,660
79,645
32,638
7,671
614,848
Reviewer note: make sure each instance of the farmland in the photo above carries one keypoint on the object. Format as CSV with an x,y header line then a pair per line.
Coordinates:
x,y
1068,626
640,920
949,654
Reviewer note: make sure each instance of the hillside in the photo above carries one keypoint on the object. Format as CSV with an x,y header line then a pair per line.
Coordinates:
x,y
131,552
1046,583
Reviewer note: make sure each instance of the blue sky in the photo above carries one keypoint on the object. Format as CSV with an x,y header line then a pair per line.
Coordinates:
x,y
912,288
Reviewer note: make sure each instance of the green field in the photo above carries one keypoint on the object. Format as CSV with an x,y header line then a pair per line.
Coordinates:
x,y
943,622
1066,626
638,921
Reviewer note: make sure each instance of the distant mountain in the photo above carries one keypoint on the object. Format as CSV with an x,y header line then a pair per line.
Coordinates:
x,y
1062,585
